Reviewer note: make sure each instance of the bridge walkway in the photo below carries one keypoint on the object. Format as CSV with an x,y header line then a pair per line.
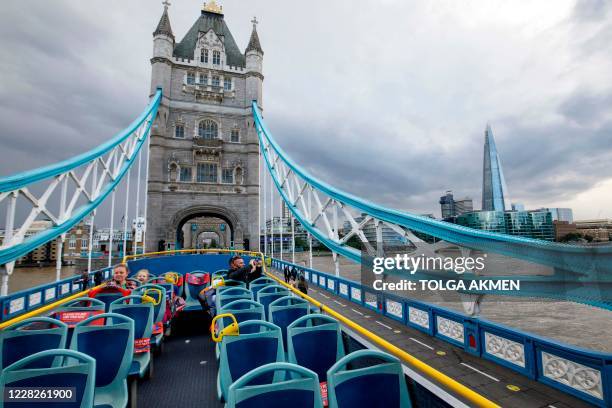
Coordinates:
x,y
493,381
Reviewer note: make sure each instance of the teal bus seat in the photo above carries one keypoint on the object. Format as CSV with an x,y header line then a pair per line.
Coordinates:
x,y
284,311
112,346
229,294
76,311
31,336
258,343
76,373
314,341
269,294
108,298
142,314
259,283
378,385
234,283
193,284
301,391
159,310
243,310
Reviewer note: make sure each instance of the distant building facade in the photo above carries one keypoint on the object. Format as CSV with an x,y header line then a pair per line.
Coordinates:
x,y
536,224
449,207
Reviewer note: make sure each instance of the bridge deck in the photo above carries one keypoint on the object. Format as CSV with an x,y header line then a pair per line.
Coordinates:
x,y
485,377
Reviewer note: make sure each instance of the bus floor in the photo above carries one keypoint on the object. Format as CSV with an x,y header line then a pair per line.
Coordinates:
x,y
485,377
185,373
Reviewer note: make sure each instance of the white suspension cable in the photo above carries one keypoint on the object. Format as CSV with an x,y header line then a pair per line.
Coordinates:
x,y
146,195
126,213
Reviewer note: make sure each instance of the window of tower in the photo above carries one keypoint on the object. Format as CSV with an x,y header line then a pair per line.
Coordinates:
x,y
207,173
227,84
204,56
207,129
185,174
216,57
179,131
227,176
204,79
190,78
215,81
235,136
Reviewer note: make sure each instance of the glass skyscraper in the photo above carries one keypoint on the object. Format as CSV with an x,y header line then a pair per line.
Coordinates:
x,y
494,190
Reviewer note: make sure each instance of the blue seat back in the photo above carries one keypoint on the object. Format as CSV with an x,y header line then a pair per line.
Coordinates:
x,y
142,314
379,385
315,342
192,290
259,284
108,298
234,283
257,344
243,310
160,308
31,336
301,391
77,372
269,294
229,294
78,310
112,345
285,310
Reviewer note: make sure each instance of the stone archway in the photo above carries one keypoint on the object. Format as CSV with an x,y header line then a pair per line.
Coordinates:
x,y
183,216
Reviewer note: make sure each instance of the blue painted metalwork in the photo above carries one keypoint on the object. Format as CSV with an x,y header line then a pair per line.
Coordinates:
x,y
20,180
595,262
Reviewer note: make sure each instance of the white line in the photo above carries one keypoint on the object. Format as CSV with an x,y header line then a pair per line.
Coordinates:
x,y
551,406
324,295
421,343
478,371
357,311
341,304
314,290
384,325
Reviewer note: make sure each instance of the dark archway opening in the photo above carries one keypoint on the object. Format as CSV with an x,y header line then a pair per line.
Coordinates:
x,y
192,226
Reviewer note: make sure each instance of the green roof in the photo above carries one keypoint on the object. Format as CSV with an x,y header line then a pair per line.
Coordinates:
x,y
207,21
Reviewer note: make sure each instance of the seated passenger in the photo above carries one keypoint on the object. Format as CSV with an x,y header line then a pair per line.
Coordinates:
x,y
142,276
119,282
245,273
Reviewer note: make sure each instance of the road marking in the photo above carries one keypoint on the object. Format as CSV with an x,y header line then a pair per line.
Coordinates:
x,y
324,295
397,331
480,372
551,406
441,353
187,341
341,304
367,316
357,311
384,325
421,343
516,388
314,290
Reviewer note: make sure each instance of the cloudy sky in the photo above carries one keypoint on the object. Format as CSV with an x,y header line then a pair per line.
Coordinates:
x,y
386,99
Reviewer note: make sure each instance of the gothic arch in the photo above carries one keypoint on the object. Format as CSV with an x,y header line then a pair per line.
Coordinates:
x,y
181,217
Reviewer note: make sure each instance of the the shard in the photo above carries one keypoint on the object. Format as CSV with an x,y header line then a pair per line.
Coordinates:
x,y
494,190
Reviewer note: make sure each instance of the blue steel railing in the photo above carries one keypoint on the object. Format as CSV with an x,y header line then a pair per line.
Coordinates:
x,y
27,300
583,373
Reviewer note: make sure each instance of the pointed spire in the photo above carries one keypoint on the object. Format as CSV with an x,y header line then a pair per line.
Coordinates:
x,y
494,189
164,23
254,44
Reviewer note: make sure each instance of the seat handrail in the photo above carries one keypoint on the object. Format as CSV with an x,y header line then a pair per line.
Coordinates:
x,y
47,353
59,323
291,301
270,289
123,299
273,367
242,301
105,316
93,302
313,316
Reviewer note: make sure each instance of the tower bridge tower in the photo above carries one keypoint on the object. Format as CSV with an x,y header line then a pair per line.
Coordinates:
x,y
204,149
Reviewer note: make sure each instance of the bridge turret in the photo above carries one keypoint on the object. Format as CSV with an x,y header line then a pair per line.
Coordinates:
x,y
254,60
163,46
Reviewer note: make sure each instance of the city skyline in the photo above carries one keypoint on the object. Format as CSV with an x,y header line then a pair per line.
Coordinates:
x,y
541,79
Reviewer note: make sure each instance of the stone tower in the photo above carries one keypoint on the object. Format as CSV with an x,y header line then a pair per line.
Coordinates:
x,y
204,152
